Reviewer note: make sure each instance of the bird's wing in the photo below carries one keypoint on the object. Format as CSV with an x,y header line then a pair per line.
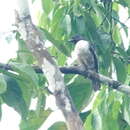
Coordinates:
x,y
95,58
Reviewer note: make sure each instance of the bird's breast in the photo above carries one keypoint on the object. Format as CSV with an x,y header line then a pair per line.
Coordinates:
x,y
84,55
82,47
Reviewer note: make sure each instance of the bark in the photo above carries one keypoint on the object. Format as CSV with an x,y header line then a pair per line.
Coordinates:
x,y
34,41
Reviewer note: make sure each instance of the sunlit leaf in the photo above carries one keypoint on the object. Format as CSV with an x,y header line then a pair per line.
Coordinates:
x,y
58,16
47,5
27,73
75,8
106,111
0,109
34,121
120,69
3,84
115,6
23,54
66,25
41,103
126,109
44,17
88,123
60,58
58,44
116,35
58,126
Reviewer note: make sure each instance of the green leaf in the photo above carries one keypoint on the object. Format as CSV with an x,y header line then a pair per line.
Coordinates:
x,y
44,21
126,109
58,126
14,98
94,37
80,25
27,91
23,54
84,115
84,2
56,43
127,128
75,8
122,123
115,6
98,10
128,3
3,84
122,52
93,122
26,72
120,69
107,25
107,59
80,91
105,112
66,24
47,5
116,35
67,78
128,68
58,16
88,124
0,109
60,58
123,3
41,103
34,121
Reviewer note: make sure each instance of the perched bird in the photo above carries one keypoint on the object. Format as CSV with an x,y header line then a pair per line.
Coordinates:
x,y
86,57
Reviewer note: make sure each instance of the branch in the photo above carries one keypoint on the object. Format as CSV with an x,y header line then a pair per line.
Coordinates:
x,y
90,74
34,41
101,78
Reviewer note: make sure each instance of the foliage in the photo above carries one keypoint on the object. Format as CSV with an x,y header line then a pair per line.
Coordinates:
x,y
58,126
98,21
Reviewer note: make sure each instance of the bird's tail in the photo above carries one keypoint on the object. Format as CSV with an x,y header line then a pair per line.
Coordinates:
x,y
95,85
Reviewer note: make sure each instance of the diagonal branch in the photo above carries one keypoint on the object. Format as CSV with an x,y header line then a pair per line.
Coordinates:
x,y
35,44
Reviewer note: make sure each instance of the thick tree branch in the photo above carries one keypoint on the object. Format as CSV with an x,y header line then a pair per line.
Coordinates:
x,y
101,78
90,74
34,41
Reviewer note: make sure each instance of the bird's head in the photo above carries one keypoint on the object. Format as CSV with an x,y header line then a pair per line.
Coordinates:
x,y
76,38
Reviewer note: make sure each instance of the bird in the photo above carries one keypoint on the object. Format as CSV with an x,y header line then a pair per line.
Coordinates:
x,y
86,57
